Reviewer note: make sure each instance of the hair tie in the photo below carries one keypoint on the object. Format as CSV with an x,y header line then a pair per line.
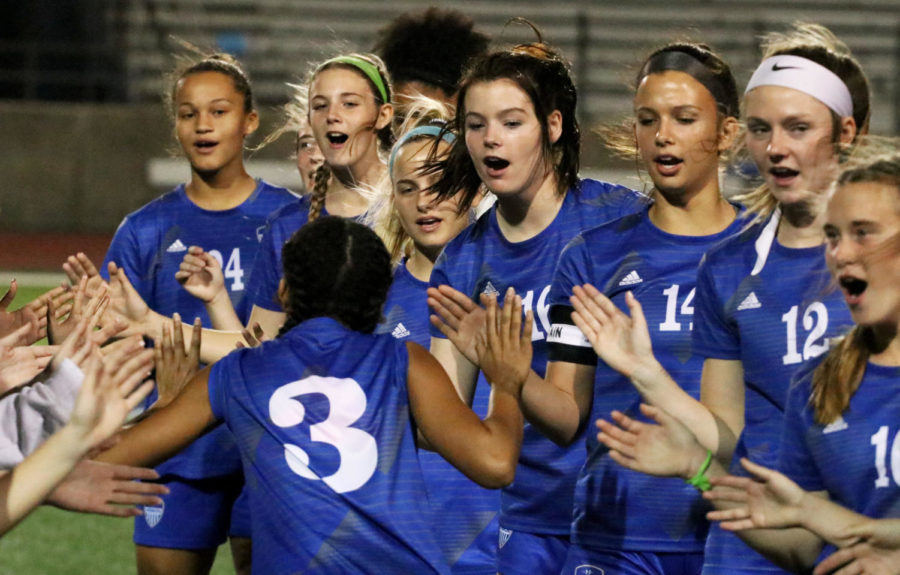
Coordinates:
x,y
434,131
805,76
369,69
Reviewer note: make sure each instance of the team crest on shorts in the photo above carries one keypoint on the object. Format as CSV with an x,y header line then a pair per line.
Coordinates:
x,y
589,570
505,534
153,515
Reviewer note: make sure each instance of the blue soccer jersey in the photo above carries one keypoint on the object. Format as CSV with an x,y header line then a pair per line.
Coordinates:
x,y
851,457
616,508
773,316
465,513
267,272
321,416
150,245
482,260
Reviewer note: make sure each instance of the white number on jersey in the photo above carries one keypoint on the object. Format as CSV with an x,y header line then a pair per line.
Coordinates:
x,y
232,269
687,308
815,344
880,441
541,314
347,403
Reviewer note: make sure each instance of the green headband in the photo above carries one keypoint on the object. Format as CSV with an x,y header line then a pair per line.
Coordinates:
x,y
367,68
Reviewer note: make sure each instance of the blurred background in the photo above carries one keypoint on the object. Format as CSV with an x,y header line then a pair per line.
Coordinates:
x,y
87,139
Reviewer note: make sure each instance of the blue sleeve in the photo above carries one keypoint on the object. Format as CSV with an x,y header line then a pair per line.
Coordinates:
x,y
125,251
713,335
439,277
795,458
262,290
217,383
566,342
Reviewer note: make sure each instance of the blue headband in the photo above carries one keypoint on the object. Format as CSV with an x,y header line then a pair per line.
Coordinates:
x,y
433,131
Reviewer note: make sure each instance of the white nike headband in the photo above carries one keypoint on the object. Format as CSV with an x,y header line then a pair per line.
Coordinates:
x,y
804,76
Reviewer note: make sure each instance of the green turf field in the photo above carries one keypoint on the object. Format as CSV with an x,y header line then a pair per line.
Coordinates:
x,y
55,542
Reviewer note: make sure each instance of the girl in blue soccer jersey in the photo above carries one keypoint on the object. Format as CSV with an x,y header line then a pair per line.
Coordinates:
x,y
685,118
519,138
764,308
841,417
327,416
416,227
221,208
350,115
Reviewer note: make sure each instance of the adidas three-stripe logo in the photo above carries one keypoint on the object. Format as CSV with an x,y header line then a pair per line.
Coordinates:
x,y
631,279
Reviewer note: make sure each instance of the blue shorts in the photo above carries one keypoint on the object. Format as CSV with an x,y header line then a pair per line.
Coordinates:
x,y
524,553
583,561
195,514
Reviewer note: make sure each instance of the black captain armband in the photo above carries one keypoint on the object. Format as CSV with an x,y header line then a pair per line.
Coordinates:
x,y
565,340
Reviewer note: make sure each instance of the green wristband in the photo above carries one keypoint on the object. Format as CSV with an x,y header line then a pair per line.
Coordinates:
x,y
700,480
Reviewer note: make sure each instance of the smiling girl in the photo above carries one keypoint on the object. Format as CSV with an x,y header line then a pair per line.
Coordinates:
x,y
221,209
519,137
841,417
350,116
764,309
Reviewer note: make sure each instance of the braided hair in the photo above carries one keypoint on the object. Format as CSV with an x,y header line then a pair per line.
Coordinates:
x,y
335,268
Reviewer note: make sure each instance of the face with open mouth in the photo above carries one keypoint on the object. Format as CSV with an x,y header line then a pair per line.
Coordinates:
x,y
789,136
504,137
430,225
344,117
862,232
677,132
211,122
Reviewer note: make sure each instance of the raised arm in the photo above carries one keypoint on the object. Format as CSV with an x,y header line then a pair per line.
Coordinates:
x,y
200,274
486,451
167,431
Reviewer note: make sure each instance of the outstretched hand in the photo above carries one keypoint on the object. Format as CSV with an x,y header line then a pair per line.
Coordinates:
x,y
200,274
771,500
877,551
458,318
113,385
126,303
32,314
504,352
107,489
622,342
665,448
175,365
253,336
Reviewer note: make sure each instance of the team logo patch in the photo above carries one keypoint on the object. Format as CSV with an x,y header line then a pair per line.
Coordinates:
x,y
177,246
589,570
750,302
631,279
505,534
400,331
490,289
153,515
259,233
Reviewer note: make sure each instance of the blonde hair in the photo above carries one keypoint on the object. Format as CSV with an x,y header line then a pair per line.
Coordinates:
x,y
384,135
421,111
818,44
838,377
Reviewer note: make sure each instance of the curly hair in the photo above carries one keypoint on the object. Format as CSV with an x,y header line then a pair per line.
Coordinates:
x,y
335,268
432,47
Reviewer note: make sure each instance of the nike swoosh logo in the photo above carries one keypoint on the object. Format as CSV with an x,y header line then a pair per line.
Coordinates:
x,y
777,68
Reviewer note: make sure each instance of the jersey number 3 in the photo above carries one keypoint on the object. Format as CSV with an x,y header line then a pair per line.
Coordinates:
x,y
357,449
